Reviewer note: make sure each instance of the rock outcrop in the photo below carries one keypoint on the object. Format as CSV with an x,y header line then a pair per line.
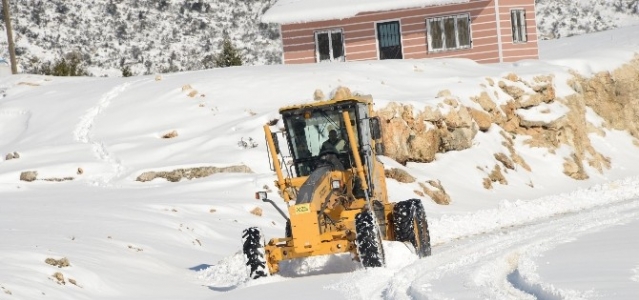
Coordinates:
x,y
177,175
533,112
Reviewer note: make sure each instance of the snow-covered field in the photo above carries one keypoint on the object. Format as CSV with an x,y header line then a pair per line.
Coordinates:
x,y
124,239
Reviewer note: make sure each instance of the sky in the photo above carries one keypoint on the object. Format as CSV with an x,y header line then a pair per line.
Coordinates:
x,y
541,236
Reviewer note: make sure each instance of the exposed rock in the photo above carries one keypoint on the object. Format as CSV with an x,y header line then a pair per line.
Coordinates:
x,y
494,176
488,184
16,155
257,211
510,122
170,135
512,77
318,95
502,158
574,168
186,87
452,102
513,91
458,118
541,138
56,179
485,102
417,136
406,136
341,92
192,93
613,96
80,171
59,278
399,175
73,281
60,263
483,119
546,124
432,115
177,175
531,100
444,94
422,146
509,144
9,156
457,139
28,176
435,191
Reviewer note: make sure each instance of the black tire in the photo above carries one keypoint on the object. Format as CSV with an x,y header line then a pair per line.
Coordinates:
x,y
368,241
411,225
253,248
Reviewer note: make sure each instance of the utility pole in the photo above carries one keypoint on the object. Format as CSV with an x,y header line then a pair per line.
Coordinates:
x,y
12,47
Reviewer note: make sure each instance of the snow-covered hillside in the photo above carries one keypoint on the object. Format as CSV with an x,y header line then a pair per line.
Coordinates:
x,y
564,18
543,235
160,36
149,36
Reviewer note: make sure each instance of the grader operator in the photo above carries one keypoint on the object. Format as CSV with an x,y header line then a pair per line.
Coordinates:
x,y
334,189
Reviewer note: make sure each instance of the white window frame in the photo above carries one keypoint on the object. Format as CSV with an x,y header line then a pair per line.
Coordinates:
x,y
518,25
457,42
330,45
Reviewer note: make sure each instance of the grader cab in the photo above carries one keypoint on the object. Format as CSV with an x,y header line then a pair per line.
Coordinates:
x,y
334,189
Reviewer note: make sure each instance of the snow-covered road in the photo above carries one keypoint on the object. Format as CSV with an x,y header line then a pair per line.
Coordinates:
x,y
503,263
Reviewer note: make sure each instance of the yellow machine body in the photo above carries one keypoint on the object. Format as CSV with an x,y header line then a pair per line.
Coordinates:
x,y
324,201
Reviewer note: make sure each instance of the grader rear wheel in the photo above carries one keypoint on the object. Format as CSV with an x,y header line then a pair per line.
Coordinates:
x,y
411,225
368,241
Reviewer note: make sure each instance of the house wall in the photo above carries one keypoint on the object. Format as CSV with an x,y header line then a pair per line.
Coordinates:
x,y
511,51
361,41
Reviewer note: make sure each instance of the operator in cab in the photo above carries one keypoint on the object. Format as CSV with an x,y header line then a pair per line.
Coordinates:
x,y
333,142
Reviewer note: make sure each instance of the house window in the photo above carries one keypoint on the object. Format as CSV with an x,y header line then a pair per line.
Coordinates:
x,y
448,33
329,45
389,40
518,22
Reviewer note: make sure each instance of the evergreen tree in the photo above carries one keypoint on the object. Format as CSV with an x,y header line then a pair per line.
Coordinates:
x,y
71,64
229,56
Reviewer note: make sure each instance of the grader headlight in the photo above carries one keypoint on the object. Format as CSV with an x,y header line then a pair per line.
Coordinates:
x,y
336,184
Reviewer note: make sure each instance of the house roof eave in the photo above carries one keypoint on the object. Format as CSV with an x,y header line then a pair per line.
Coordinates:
x,y
304,11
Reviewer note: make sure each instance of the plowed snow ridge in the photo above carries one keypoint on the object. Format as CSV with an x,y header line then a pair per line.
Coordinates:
x,y
498,264
492,250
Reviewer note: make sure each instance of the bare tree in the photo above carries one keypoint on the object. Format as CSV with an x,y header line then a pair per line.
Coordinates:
x,y
12,47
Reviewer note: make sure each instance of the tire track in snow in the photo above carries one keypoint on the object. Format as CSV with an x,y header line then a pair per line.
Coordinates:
x,y
635,277
14,115
496,263
83,134
500,265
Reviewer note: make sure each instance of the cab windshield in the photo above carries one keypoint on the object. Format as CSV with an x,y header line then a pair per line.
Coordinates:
x,y
313,133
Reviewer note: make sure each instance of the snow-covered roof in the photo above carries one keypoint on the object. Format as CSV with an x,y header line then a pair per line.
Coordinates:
x,y
301,11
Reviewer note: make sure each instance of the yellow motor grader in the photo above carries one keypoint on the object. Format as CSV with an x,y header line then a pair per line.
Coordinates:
x,y
335,189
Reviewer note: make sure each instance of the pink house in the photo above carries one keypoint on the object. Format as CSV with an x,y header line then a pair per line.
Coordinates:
x,y
487,31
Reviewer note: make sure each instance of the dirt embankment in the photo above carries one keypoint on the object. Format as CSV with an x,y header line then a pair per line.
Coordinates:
x,y
532,111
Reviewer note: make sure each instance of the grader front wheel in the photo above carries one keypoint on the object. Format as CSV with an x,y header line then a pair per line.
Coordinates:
x,y
368,241
253,249
411,225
